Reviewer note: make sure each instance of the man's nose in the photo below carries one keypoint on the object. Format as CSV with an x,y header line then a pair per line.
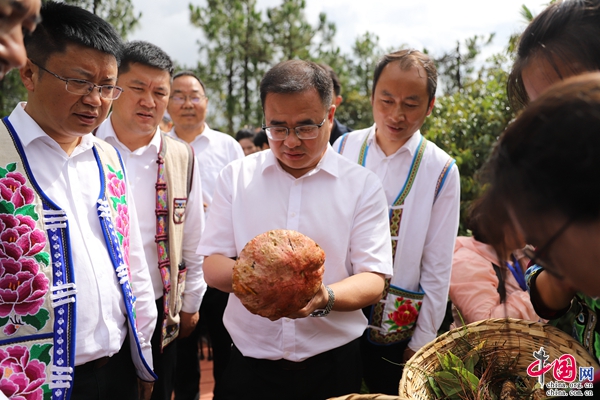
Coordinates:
x,y
12,49
292,139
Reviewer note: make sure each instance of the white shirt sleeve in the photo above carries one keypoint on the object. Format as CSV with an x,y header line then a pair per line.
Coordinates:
x,y
195,286
141,284
370,249
219,221
437,260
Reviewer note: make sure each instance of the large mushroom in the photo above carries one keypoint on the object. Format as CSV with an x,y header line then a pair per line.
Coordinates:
x,y
278,273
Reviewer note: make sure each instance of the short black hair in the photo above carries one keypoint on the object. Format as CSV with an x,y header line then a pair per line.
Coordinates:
x,y
145,53
193,75
297,76
244,134
63,24
260,139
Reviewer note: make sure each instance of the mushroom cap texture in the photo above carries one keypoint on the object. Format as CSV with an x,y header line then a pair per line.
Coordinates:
x,y
278,273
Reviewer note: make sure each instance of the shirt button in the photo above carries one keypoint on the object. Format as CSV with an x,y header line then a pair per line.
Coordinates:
x,y
293,214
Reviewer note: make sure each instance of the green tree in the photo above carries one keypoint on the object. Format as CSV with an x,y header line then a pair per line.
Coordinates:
x,y
234,54
456,67
119,13
12,91
356,109
466,124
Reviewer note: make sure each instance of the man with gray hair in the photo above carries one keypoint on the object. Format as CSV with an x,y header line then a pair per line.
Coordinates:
x,y
312,353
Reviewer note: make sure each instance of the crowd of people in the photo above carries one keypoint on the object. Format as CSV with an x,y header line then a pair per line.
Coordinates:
x,y
122,213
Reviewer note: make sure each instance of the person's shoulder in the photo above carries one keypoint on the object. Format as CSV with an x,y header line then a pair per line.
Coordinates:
x,y
351,139
220,136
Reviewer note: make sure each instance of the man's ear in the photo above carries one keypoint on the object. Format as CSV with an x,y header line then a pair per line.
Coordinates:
x,y
430,106
29,75
337,101
331,113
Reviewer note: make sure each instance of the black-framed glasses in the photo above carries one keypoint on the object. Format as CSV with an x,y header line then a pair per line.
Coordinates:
x,y
194,99
83,87
303,132
537,256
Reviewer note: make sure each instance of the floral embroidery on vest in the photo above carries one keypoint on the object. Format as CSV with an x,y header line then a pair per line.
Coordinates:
x,y
22,372
405,315
117,190
23,285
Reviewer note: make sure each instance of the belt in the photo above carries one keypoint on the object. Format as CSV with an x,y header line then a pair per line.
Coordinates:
x,y
92,365
288,365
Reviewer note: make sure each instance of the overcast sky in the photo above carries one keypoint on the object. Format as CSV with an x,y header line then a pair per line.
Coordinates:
x,y
433,24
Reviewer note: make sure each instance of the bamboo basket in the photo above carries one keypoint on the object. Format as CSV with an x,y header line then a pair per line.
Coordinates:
x,y
515,337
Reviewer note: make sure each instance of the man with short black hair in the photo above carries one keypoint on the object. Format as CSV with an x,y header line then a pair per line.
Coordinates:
x,y
166,185
312,353
422,186
70,244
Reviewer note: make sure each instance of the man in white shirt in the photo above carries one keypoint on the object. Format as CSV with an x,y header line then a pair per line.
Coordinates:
x,y
150,159
24,16
300,184
214,150
422,187
88,332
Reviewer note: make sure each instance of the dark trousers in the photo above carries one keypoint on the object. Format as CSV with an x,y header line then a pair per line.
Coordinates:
x,y
188,370
333,373
165,362
111,378
382,366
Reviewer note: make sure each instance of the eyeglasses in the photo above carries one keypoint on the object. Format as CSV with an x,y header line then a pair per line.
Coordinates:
x,y
537,256
83,87
180,99
303,132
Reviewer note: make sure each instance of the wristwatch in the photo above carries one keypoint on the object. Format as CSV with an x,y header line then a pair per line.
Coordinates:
x,y
322,312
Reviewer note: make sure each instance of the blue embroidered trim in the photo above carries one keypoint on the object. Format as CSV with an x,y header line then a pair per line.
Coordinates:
x,y
62,270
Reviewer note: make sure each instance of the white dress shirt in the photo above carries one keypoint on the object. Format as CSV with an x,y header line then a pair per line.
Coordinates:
x,y
428,228
73,183
142,172
214,150
339,205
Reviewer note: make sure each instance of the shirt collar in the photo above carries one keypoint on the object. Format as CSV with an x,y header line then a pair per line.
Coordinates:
x,y
29,131
328,163
411,144
206,133
110,133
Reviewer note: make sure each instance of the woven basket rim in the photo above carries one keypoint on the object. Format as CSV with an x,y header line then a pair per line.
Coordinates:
x,y
516,335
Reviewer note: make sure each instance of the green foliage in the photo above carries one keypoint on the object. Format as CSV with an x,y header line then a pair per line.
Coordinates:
x,y
456,377
466,124
236,57
119,13
12,92
456,67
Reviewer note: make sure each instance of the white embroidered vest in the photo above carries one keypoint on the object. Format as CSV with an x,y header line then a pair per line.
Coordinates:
x,y
37,287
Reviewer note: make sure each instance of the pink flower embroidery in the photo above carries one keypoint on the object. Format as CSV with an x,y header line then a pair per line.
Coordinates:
x,y
20,377
22,287
19,237
13,189
116,186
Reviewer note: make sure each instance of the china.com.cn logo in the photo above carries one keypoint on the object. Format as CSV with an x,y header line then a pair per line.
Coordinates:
x,y
564,370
